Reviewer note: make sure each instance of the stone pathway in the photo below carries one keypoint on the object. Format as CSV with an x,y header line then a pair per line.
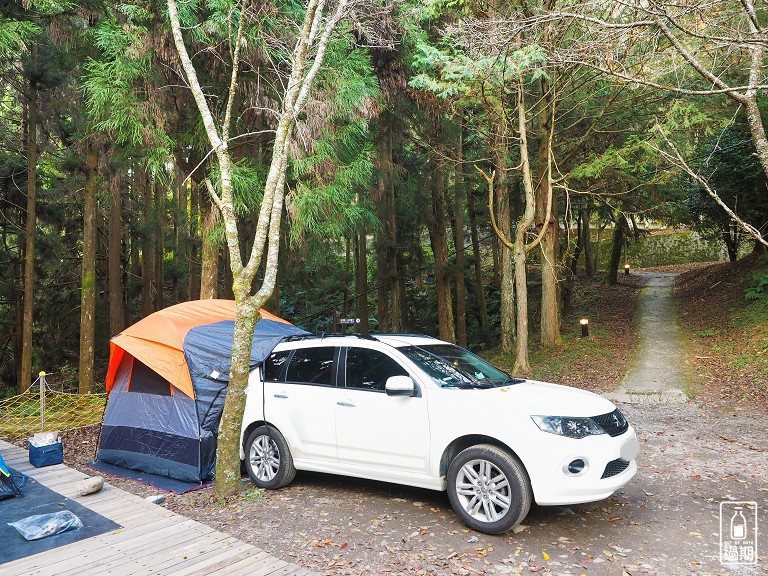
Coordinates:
x,y
657,372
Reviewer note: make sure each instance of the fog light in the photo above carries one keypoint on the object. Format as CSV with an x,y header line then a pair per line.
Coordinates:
x,y
575,467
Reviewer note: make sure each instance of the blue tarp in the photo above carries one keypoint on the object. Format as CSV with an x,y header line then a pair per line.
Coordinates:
x,y
208,351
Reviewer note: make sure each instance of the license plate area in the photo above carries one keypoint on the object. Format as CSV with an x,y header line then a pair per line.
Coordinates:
x,y
629,449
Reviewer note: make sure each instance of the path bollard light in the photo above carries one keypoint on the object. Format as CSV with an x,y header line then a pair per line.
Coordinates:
x,y
626,269
584,327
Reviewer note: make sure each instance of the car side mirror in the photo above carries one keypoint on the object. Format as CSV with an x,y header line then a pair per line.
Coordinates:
x,y
400,386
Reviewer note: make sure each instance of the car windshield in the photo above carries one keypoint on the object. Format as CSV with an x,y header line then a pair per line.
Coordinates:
x,y
453,367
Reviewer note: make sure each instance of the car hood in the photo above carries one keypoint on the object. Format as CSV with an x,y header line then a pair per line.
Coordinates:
x,y
545,399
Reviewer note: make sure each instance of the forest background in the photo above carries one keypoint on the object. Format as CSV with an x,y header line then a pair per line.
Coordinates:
x,y
586,127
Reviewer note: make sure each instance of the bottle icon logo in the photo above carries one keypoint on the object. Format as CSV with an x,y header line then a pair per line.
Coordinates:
x,y
738,525
738,532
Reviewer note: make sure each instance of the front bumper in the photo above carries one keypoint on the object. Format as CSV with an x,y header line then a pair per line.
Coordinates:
x,y
553,485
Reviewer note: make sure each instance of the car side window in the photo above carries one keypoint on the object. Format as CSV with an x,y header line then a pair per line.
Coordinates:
x,y
273,366
311,366
369,369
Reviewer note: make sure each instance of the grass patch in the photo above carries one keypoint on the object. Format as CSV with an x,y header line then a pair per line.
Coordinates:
x,y
254,495
728,330
595,363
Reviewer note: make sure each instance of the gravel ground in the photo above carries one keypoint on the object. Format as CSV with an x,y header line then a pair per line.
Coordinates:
x,y
665,522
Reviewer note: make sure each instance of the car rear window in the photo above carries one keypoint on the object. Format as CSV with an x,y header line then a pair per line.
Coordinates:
x,y
273,366
312,366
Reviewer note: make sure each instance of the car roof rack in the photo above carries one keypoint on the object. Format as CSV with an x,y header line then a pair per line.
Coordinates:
x,y
322,335
409,334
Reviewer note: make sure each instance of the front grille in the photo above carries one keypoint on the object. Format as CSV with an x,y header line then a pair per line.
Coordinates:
x,y
614,467
613,423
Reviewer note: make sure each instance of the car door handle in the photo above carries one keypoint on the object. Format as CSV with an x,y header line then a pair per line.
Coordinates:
x,y
283,396
347,404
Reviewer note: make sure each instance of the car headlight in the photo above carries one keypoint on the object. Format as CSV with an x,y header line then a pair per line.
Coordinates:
x,y
567,426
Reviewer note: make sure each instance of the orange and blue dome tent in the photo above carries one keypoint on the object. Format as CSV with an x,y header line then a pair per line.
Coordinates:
x,y
167,381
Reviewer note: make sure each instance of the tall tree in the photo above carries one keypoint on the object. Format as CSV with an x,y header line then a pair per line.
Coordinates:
x,y
439,238
25,376
88,275
115,253
459,206
305,63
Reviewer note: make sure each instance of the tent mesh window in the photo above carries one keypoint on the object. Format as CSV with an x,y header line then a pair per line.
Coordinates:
x,y
144,380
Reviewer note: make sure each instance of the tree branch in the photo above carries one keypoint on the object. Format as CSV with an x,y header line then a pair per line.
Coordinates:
x,y
677,159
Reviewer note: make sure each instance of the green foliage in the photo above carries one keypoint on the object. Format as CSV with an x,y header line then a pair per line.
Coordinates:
x,y
757,283
451,74
113,82
15,35
758,288
327,180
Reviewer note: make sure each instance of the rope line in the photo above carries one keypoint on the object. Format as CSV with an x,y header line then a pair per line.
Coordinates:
x,y
40,408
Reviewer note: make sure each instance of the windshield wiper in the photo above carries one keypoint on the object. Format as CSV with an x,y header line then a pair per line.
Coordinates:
x,y
509,381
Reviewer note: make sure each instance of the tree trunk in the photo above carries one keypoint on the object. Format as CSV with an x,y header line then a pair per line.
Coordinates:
x,y
440,248
550,302
148,247
477,261
116,302
361,280
507,264
393,264
88,283
459,204
347,278
209,271
619,228
521,249
228,449
384,242
25,375
160,223
756,128
570,279
589,263
496,257
731,241
193,282
227,287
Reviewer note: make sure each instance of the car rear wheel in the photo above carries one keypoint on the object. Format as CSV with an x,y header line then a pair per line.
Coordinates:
x,y
489,489
268,459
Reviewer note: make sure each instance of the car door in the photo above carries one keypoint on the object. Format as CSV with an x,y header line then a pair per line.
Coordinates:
x,y
300,399
372,428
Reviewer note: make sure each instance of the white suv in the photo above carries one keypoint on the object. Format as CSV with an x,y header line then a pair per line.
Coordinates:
x,y
414,410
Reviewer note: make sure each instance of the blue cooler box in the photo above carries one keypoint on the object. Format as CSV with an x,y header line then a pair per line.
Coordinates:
x,y
46,455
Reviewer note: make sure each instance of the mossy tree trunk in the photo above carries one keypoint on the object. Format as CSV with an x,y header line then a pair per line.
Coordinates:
x,y
459,205
88,276
439,238
114,256
25,374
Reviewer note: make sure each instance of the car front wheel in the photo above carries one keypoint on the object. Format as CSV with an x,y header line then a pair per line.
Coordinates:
x,y
489,489
268,459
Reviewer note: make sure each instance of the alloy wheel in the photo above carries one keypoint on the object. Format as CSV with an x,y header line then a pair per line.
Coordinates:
x,y
264,457
483,490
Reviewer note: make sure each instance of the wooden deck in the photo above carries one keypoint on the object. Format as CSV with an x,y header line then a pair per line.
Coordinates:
x,y
152,541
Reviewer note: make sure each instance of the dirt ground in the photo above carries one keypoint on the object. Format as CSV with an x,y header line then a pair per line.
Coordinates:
x,y
665,522
727,334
